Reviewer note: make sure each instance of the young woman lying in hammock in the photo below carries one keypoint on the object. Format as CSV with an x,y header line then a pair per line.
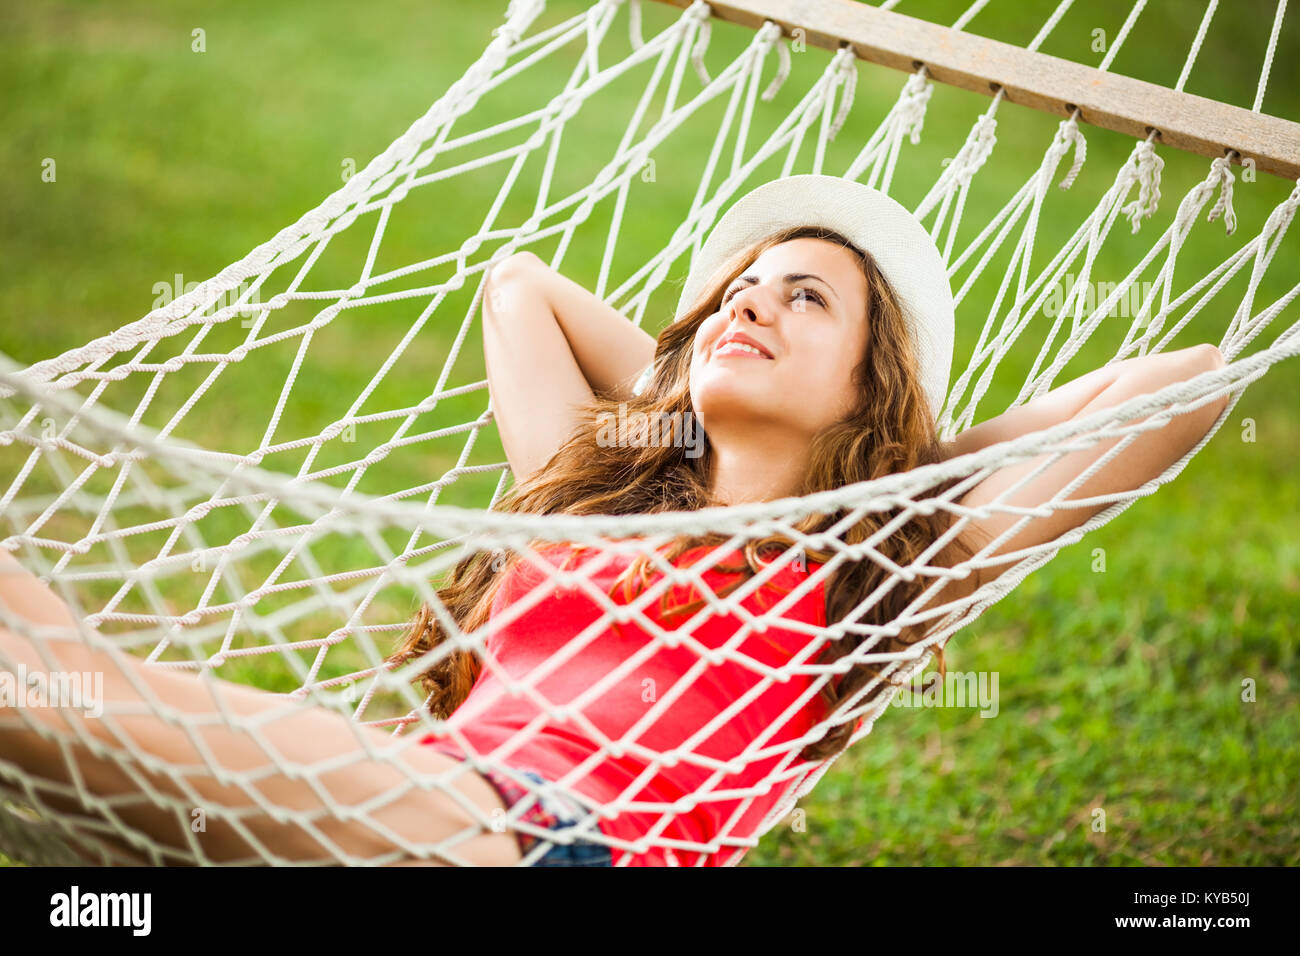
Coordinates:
x,y
801,364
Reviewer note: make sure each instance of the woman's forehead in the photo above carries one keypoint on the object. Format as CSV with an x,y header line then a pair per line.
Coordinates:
x,y
821,257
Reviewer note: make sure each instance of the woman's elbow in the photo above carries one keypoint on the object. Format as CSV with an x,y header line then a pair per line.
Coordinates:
x,y
1209,354
511,290
1212,360
1203,358
514,266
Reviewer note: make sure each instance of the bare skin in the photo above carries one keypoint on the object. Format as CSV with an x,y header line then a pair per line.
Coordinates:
x,y
550,345
815,329
306,735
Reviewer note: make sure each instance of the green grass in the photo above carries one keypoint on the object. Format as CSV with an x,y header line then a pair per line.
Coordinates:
x,y
1121,690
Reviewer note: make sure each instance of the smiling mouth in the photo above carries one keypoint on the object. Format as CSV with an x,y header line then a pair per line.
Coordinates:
x,y
739,350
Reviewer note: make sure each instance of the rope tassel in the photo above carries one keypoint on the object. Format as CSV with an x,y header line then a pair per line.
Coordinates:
x,y
1222,167
702,13
1149,166
771,34
916,96
1070,130
976,150
848,67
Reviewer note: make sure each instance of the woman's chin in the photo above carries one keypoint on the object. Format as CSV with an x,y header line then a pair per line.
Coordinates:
x,y
721,392
726,402
738,377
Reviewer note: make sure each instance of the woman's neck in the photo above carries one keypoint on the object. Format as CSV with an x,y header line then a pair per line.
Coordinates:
x,y
760,467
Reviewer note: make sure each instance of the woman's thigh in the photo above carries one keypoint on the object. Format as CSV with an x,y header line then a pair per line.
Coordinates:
x,y
204,734
270,778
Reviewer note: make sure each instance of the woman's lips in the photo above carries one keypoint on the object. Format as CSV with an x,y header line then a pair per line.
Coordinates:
x,y
737,350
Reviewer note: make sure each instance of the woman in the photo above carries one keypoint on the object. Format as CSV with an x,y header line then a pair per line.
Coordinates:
x,y
812,349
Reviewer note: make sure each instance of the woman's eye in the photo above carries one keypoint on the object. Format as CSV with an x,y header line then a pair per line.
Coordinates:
x,y
799,293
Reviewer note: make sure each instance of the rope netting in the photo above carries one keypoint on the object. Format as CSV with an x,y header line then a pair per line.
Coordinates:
x,y
293,562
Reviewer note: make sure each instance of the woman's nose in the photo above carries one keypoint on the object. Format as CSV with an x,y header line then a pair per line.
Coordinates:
x,y
751,304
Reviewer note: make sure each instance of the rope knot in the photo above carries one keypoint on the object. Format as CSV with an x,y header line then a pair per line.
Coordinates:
x,y
769,35
701,12
915,97
516,10
847,66
1149,165
1221,170
1070,133
976,150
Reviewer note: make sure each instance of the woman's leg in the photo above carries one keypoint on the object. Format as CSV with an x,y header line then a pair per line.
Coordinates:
x,y
198,745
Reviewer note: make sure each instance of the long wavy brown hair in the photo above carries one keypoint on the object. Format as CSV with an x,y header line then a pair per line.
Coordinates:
x,y
891,430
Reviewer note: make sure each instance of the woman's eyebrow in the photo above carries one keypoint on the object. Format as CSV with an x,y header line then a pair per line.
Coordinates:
x,y
793,277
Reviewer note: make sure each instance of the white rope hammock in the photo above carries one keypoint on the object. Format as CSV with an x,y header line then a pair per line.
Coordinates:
x,y
295,563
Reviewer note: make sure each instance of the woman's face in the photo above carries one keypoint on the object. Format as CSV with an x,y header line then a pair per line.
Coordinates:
x,y
803,303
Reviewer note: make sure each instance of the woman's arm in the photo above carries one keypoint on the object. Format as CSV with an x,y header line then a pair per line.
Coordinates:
x,y
23,594
549,344
610,350
1055,406
1144,458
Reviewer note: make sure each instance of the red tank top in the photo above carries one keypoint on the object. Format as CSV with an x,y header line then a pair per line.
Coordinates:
x,y
691,811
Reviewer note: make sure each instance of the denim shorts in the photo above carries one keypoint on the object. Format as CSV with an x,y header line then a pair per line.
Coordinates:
x,y
552,811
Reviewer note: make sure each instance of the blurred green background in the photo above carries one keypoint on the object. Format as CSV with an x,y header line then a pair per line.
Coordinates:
x,y
1120,690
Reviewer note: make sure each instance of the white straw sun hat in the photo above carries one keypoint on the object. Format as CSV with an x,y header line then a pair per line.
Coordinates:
x,y
872,221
